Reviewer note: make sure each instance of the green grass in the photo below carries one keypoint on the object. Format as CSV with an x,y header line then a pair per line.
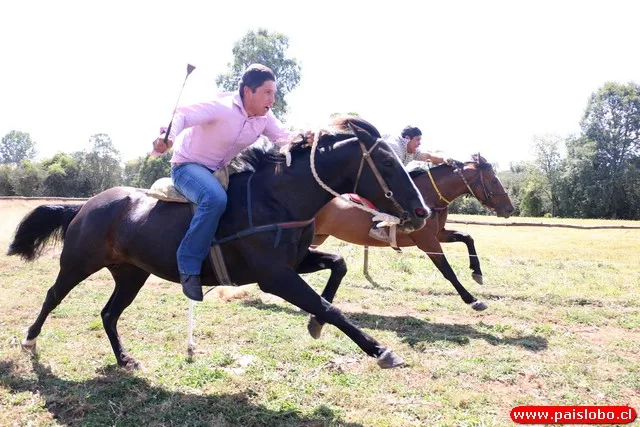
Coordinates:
x,y
561,328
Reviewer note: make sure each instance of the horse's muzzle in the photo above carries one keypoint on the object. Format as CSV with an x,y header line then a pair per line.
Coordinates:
x,y
421,212
411,223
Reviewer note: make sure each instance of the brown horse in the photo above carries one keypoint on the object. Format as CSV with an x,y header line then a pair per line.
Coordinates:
x,y
439,186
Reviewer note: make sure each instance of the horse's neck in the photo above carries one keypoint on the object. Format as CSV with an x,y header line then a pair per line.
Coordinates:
x,y
297,191
448,183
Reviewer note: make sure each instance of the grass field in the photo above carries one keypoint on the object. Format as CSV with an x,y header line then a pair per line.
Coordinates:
x,y
562,328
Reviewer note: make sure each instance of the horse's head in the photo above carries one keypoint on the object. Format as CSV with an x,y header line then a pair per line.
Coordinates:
x,y
377,175
487,188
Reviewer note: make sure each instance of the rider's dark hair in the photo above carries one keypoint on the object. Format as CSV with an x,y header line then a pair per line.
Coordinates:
x,y
254,76
410,132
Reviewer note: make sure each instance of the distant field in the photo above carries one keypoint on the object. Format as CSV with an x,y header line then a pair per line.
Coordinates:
x,y
562,328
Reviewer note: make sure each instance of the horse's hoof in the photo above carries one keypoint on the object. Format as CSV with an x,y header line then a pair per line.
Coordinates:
x,y
191,353
314,327
133,365
28,345
130,364
389,359
479,306
477,278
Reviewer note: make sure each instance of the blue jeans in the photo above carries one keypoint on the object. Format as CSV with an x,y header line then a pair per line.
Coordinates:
x,y
199,186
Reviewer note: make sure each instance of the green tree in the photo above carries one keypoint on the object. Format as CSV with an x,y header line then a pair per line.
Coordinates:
x,y
131,170
62,176
532,195
612,121
28,179
152,169
549,163
6,182
581,190
268,49
514,182
17,146
468,205
100,167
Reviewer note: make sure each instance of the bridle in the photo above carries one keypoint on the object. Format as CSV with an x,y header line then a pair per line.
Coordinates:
x,y
366,155
488,195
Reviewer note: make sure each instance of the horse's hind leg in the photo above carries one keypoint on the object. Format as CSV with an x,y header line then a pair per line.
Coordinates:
x,y
129,280
68,278
448,236
316,261
432,247
288,285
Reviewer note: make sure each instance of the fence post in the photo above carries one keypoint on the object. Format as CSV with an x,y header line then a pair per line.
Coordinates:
x,y
365,266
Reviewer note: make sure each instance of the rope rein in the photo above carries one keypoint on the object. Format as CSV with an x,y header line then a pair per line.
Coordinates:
x,y
435,187
384,217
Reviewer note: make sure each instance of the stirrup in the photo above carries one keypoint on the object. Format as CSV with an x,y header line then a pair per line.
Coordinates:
x,y
380,234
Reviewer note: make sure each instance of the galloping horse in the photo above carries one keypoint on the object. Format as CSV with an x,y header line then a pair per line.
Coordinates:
x,y
439,187
270,210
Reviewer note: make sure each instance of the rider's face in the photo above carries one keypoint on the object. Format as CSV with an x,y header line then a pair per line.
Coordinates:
x,y
414,143
259,103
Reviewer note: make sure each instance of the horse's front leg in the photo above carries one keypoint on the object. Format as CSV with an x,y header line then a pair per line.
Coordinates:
x,y
428,243
288,285
448,236
316,261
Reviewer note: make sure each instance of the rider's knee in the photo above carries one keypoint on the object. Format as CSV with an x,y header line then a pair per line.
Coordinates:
x,y
213,200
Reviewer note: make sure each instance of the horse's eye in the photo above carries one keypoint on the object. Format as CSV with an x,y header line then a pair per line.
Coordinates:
x,y
388,163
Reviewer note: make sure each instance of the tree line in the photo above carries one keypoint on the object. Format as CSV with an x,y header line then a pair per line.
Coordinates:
x,y
595,174
78,174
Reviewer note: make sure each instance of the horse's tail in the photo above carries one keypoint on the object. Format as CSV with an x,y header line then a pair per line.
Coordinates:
x,y
43,224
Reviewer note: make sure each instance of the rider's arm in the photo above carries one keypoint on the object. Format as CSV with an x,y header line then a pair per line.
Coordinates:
x,y
192,115
184,117
276,131
428,157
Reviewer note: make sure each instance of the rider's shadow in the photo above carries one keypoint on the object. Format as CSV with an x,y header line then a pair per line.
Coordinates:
x,y
418,332
118,398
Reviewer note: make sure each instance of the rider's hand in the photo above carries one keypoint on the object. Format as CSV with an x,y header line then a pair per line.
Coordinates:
x,y
309,136
160,147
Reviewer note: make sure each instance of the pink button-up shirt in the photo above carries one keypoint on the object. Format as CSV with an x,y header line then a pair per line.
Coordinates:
x,y
213,133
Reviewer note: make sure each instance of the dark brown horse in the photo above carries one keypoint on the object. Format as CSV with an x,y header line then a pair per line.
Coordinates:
x,y
270,212
341,220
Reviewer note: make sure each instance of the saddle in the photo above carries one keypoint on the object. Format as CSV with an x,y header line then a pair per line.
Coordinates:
x,y
163,189
377,232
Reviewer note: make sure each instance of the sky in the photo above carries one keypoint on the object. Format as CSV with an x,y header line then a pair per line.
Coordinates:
x,y
475,76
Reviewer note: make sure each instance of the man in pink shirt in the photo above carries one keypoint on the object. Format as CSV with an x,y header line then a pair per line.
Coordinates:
x,y
207,137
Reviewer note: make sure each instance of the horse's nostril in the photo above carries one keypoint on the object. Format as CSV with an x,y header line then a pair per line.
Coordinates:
x,y
421,213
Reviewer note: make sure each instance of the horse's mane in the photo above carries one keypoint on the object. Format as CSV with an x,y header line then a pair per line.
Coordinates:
x,y
483,164
341,124
256,157
264,153
415,172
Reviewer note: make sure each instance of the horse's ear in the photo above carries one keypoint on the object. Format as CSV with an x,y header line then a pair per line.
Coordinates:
x,y
360,133
480,159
